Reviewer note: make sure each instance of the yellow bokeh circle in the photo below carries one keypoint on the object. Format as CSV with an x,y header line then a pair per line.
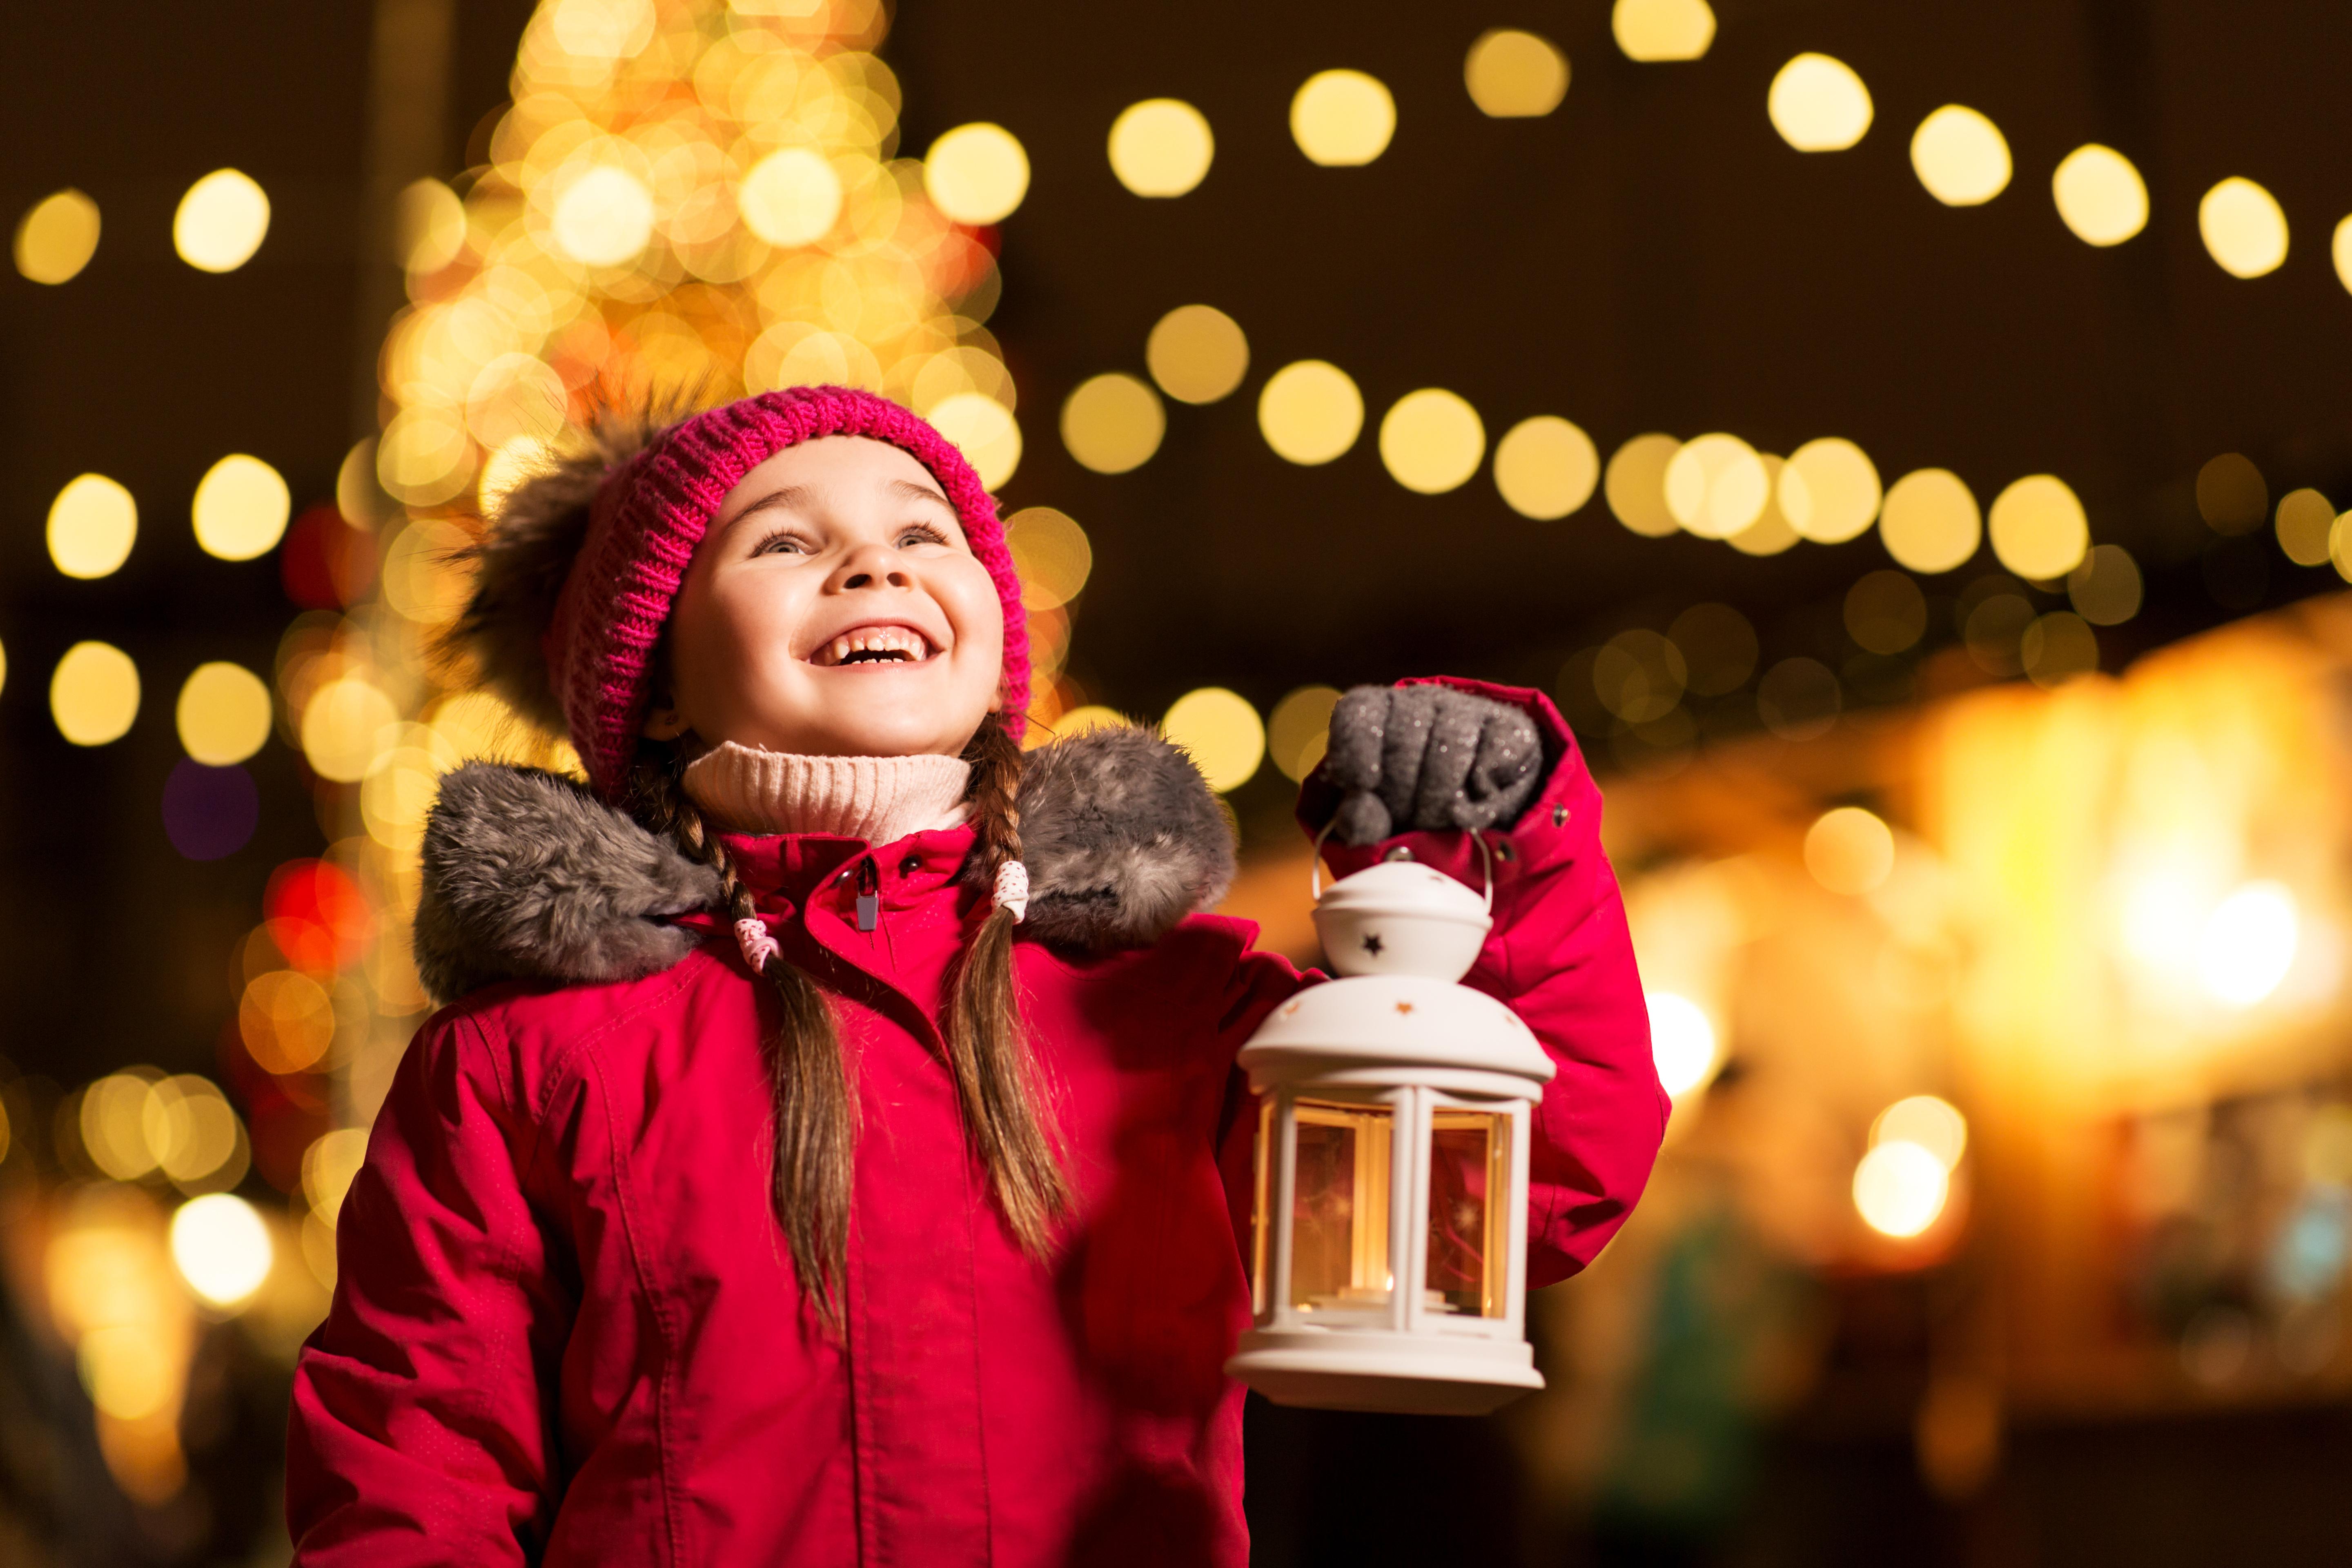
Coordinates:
x,y
2038,527
1161,147
977,173
1431,441
241,508
223,713
1310,412
1221,732
91,526
94,694
1342,117
1546,468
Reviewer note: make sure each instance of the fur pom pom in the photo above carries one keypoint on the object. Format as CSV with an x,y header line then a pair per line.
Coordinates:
x,y
526,553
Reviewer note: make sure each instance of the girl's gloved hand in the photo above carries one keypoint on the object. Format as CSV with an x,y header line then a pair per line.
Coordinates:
x,y
1428,759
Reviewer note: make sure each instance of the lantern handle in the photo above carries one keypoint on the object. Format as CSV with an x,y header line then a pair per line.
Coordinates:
x,y
1314,861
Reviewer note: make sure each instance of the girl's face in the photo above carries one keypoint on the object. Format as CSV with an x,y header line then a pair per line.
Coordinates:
x,y
834,608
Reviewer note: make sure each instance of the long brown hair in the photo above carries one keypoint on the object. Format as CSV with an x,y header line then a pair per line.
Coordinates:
x,y
813,1105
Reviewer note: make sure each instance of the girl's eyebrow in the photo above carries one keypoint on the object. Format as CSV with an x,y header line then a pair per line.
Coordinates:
x,y
912,491
789,498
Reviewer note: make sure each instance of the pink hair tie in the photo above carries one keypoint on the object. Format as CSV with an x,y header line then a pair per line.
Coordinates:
x,y
1012,888
757,944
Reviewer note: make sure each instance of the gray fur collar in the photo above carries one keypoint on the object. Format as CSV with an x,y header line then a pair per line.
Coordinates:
x,y
529,876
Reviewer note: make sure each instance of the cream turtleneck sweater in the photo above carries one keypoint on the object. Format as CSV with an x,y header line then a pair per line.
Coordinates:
x,y
878,799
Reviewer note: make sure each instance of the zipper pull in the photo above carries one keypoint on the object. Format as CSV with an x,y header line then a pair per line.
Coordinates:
x,y
870,895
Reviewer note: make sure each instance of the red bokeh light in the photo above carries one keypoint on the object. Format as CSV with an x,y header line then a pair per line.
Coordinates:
x,y
318,916
326,563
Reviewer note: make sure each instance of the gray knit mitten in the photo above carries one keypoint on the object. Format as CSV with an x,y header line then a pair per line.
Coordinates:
x,y
1428,759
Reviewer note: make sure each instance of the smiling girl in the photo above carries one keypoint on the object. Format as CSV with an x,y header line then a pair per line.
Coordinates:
x,y
834,1151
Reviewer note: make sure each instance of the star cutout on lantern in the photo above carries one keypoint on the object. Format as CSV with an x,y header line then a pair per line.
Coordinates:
x,y
1405,1006
1372,943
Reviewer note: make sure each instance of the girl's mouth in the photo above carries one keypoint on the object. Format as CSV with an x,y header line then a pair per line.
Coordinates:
x,y
875,645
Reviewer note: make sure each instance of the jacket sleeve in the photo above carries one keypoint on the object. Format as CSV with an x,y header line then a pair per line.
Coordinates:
x,y
422,1406
1561,957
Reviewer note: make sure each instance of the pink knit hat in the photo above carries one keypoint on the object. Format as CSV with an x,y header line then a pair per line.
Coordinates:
x,y
650,513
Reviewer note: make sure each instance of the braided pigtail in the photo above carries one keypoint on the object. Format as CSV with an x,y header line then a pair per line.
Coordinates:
x,y
987,1046
815,1116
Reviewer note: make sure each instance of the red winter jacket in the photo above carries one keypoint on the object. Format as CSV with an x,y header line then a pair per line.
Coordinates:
x,y
566,1329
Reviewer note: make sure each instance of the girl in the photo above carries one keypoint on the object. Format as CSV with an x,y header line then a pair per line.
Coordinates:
x,y
836,1155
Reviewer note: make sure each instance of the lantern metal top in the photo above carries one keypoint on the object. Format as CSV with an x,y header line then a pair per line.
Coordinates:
x,y
1397,1022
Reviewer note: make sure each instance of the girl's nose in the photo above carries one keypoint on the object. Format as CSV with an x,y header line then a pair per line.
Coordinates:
x,y
874,565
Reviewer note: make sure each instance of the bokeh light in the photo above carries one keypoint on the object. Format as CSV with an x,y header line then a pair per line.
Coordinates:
x,y
1546,468
94,694
1310,412
2249,944
2243,227
2304,518
428,226
983,430
1849,850
342,726
1960,156
424,456
286,1020
1051,553
2058,648
1514,75
1113,422
1640,676
1818,104
1197,353
603,216
1885,612
1161,147
1659,30
57,236
1635,485
241,508
2230,495
1299,728
114,1124
194,1136
1799,698
1431,441
2106,588
1933,1123
1829,490
1718,647
1681,1042
790,197
2038,527
1771,533
1342,119
977,173
221,221
93,524
223,713
2100,194
328,1167
1716,486
209,812
1930,522
1221,732
1900,1188
221,1247
2341,250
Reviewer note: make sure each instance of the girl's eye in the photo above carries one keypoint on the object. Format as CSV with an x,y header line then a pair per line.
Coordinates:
x,y
783,544
920,533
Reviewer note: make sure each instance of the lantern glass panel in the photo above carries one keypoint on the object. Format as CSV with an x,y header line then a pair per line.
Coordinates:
x,y
1339,1208
1469,1186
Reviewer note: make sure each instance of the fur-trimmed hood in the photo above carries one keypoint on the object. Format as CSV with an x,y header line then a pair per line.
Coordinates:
x,y
529,876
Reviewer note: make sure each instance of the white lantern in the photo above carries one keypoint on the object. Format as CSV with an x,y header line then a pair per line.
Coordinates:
x,y
1390,1235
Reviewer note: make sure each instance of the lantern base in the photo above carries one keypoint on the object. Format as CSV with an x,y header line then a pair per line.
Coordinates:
x,y
1407,1374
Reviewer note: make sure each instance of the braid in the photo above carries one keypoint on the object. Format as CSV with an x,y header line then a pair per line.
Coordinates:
x,y
987,1046
815,1117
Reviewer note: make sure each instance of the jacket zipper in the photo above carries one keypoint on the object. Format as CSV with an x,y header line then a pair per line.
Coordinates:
x,y
870,895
